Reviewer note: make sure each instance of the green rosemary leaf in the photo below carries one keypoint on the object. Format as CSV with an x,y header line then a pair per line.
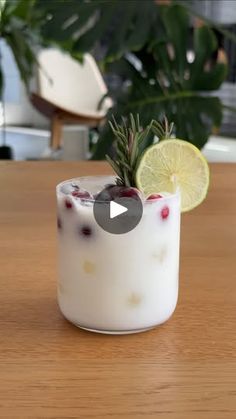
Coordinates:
x,y
130,141
158,132
166,126
134,151
112,127
114,122
129,145
121,129
129,169
114,165
133,125
144,134
121,146
120,154
120,182
142,137
125,126
164,130
119,134
158,126
126,178
138,123
171,127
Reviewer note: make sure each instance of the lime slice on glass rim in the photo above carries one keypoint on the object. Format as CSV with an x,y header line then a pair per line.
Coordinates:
x,y
172,165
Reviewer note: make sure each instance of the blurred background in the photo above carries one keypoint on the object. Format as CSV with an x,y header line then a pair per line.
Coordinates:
x,y
67,66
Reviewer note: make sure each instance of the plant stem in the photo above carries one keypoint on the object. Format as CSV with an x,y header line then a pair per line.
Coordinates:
x,y
159,99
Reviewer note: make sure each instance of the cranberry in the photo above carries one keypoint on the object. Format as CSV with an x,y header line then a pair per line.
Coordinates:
x,y
81,194
123,192
86,231
165,213
128,193
68,204
154,196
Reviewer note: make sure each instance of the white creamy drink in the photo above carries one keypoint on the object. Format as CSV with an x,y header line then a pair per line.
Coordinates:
x,y
116,283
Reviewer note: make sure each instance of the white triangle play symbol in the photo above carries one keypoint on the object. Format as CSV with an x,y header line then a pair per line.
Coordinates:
x,y
116,209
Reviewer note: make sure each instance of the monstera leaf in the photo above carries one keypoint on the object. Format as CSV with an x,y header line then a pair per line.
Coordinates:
x,y
118,25
167,82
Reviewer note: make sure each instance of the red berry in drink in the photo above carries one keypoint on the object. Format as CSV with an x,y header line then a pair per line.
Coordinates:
x,y
68,204
81,194
154,196
129,193
165,212
86,231
124,192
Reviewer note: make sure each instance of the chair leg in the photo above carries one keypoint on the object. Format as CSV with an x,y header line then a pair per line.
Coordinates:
x,y
56,131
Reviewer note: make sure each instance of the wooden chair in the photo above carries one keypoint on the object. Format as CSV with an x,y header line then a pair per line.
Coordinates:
x,y
69,92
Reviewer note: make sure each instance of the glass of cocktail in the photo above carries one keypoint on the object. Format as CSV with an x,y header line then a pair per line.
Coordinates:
x,y
116,283
119,236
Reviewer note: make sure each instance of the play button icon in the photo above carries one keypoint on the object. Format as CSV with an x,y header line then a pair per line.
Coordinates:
x,y
116,211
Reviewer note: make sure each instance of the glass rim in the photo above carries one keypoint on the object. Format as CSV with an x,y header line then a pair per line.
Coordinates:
x,y
92,199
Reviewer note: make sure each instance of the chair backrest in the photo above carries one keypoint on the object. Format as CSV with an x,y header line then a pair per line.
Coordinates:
x,y
68,84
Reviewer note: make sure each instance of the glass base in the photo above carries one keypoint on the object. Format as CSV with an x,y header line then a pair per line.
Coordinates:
x,y
116,332
111,332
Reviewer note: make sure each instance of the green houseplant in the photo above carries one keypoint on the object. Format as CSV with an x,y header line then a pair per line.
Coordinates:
x,y
166,67
146,45
20,26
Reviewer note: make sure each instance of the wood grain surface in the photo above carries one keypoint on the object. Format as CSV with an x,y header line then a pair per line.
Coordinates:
x,y
185,369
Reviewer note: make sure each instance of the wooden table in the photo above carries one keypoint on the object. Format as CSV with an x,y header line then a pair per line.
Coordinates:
x,y
185,369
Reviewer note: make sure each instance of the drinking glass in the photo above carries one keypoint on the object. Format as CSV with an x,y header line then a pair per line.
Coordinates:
x,y
116,283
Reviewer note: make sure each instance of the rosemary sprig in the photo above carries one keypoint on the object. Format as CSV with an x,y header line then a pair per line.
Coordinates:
x,y
164,130
129,145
